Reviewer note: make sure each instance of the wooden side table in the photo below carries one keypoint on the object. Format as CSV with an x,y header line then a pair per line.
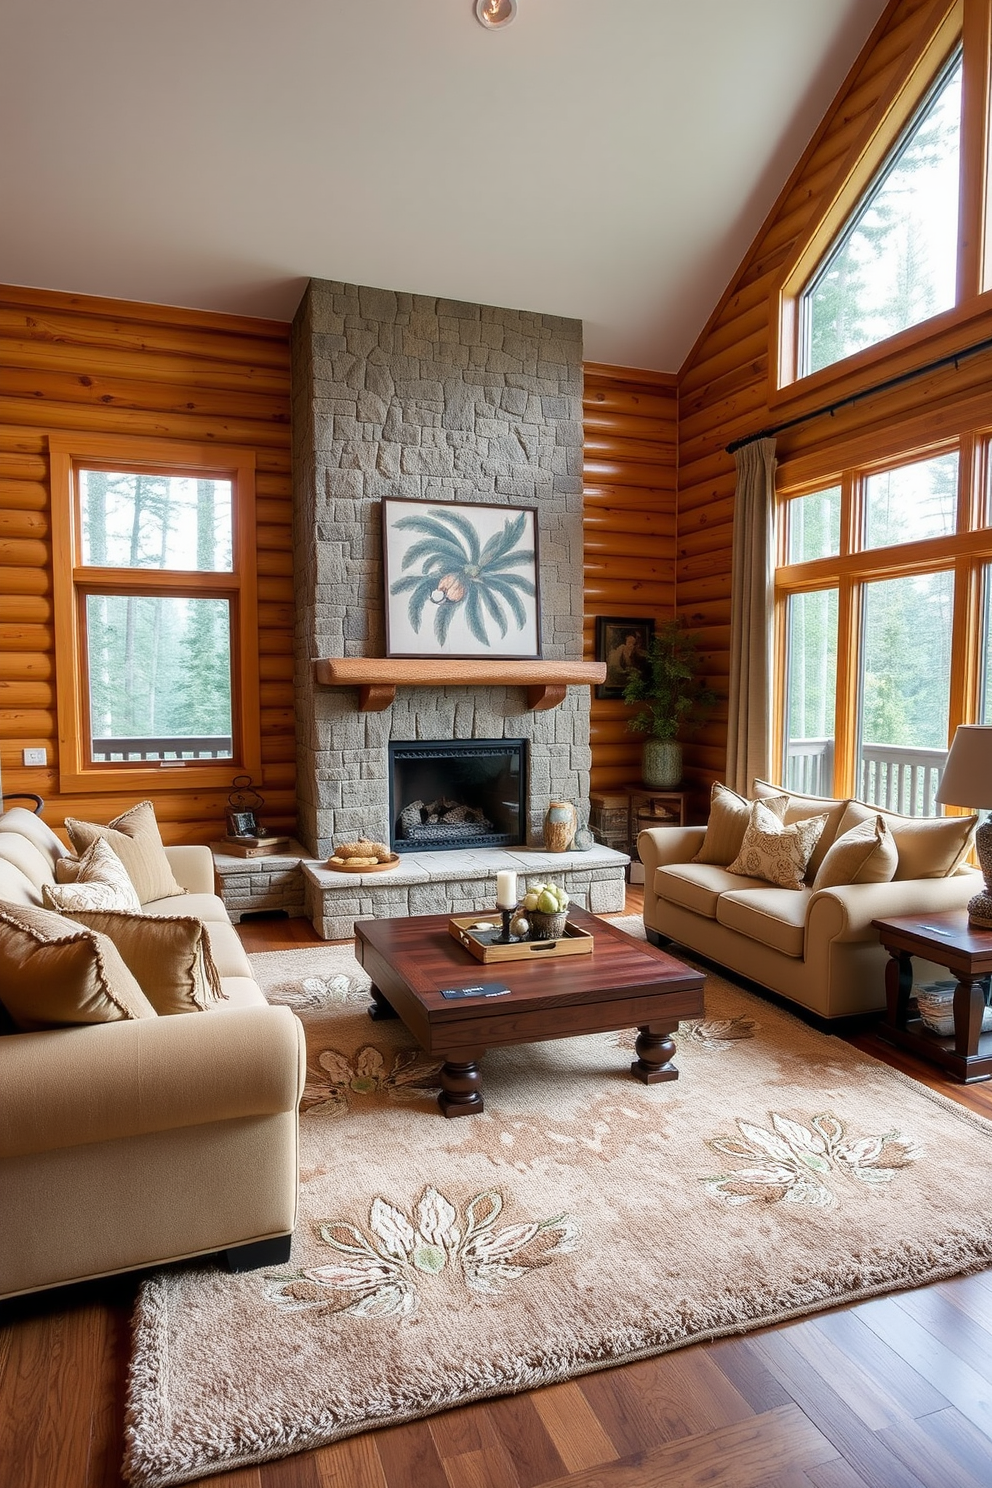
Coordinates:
x,y
652,808
949,940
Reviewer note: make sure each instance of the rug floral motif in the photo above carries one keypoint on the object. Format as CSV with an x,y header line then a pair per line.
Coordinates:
x,y
582,1219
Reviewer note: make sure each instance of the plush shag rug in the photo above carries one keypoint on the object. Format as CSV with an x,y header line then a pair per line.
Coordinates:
x,y
582,1220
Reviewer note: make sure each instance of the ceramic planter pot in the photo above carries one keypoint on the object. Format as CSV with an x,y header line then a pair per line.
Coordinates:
x,y
661,764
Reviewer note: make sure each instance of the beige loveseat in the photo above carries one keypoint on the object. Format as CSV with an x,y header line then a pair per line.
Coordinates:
x,y
816,948
130,1143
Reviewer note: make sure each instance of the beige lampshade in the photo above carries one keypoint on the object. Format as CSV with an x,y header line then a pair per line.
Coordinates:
x,y
967,777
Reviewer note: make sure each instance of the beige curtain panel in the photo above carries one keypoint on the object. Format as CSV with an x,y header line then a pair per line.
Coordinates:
x,y
749,729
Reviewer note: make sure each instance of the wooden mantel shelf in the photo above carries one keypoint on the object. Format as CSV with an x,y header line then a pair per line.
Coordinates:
x,y
377,678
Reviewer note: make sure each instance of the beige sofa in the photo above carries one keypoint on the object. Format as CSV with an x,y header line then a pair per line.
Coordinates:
x,y
131,1143
816,948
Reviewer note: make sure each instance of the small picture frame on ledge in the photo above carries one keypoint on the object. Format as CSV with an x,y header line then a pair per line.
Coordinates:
x,y
242,824
621,643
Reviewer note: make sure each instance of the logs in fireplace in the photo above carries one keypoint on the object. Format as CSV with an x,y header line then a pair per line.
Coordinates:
x,y
457,793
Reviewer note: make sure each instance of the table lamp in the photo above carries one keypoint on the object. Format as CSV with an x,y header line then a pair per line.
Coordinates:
x,y
967,781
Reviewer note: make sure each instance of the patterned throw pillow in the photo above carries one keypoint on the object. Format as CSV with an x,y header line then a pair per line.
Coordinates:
x,y
135,839
775,852
97,880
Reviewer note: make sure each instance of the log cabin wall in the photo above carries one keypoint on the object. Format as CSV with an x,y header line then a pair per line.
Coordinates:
x,y
75,364
724,390
630,421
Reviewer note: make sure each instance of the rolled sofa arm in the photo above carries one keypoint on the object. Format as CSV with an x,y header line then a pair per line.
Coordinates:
x,y
67,1087
657,846
192,867
846,912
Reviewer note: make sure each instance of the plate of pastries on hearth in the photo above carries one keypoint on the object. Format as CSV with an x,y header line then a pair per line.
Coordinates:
x,y
362,856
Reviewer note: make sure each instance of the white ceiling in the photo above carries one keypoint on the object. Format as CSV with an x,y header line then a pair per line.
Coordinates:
x,y
604,159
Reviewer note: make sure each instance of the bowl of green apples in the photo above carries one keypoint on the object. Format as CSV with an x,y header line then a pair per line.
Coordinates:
x,y
546,907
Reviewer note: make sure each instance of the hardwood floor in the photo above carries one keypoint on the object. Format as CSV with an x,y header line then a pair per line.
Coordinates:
x,y
892,1393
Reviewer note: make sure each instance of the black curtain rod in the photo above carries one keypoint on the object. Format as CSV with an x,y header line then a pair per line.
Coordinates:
x,y
879,387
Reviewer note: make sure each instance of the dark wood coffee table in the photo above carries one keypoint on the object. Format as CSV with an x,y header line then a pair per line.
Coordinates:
x,y
624,983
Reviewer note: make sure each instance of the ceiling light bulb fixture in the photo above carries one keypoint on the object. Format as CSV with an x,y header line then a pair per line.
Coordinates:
x,y
495,13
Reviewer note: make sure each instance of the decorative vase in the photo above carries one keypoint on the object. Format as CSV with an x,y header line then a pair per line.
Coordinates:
x,y
560,821
547,926
661,763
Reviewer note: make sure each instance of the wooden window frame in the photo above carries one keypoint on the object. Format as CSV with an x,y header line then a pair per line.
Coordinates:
x,y
72,581
940,29
966,553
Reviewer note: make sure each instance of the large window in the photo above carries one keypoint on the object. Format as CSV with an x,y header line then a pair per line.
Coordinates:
x,y
156,613
884,601
895,260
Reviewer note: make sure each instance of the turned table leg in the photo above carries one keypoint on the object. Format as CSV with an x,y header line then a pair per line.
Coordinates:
x,y
898,986
969,1009
461,1088
655,1049
379,1008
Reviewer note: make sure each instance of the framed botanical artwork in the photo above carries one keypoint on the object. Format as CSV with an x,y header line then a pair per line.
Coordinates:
x,y
621,643
460,579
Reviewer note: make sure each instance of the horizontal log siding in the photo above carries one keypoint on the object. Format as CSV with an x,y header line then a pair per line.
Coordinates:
x,y
110,367
724,384
630,530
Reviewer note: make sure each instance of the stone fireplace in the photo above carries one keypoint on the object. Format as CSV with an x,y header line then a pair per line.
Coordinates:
x,y
432,400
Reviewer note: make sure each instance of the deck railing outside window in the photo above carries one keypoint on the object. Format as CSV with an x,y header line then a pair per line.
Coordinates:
x,y
196,746
894,776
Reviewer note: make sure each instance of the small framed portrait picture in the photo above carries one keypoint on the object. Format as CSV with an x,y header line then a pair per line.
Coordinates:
x,y
621,643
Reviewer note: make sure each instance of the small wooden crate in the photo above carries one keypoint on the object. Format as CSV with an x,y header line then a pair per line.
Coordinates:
x,y
574,942
609,816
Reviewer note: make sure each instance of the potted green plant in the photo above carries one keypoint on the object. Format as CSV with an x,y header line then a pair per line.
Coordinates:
x,y
671,701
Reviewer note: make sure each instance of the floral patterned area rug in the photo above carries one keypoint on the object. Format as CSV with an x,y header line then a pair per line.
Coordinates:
x,y
582,1220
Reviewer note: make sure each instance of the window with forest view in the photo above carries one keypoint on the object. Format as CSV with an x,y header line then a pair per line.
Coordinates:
x,y
886,648
158,666
156,612
894,263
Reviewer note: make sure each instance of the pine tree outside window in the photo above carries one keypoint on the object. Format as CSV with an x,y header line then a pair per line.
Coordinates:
x,y
156,632
895,261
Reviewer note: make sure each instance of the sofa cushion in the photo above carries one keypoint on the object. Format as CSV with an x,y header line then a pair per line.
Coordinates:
x,y
728,820
698,886
774,917
866,853
206,907
99,881
773,851
169,956
798,807
55,973
136,840
928,846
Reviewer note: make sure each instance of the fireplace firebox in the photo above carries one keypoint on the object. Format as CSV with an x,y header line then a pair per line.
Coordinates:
x,y
456,793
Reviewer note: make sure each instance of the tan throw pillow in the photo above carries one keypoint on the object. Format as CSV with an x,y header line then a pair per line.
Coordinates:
x,y
55,973
729,817
865,854
928,846
100,881
776,852
169,956
135,839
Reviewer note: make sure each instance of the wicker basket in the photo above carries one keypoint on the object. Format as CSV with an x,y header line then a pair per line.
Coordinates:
x,y
547,926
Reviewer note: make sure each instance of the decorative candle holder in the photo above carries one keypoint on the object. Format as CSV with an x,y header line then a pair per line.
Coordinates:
x,y
505,937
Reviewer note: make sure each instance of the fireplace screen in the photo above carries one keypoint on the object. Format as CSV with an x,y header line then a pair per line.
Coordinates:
x,y
448,794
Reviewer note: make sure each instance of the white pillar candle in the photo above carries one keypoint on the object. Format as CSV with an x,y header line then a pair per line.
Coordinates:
x,y
506,890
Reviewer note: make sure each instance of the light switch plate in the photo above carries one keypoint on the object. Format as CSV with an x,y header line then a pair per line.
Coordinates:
x,y
35,756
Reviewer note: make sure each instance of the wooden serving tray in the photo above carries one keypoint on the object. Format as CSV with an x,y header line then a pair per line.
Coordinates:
x,y
574,942
345,867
